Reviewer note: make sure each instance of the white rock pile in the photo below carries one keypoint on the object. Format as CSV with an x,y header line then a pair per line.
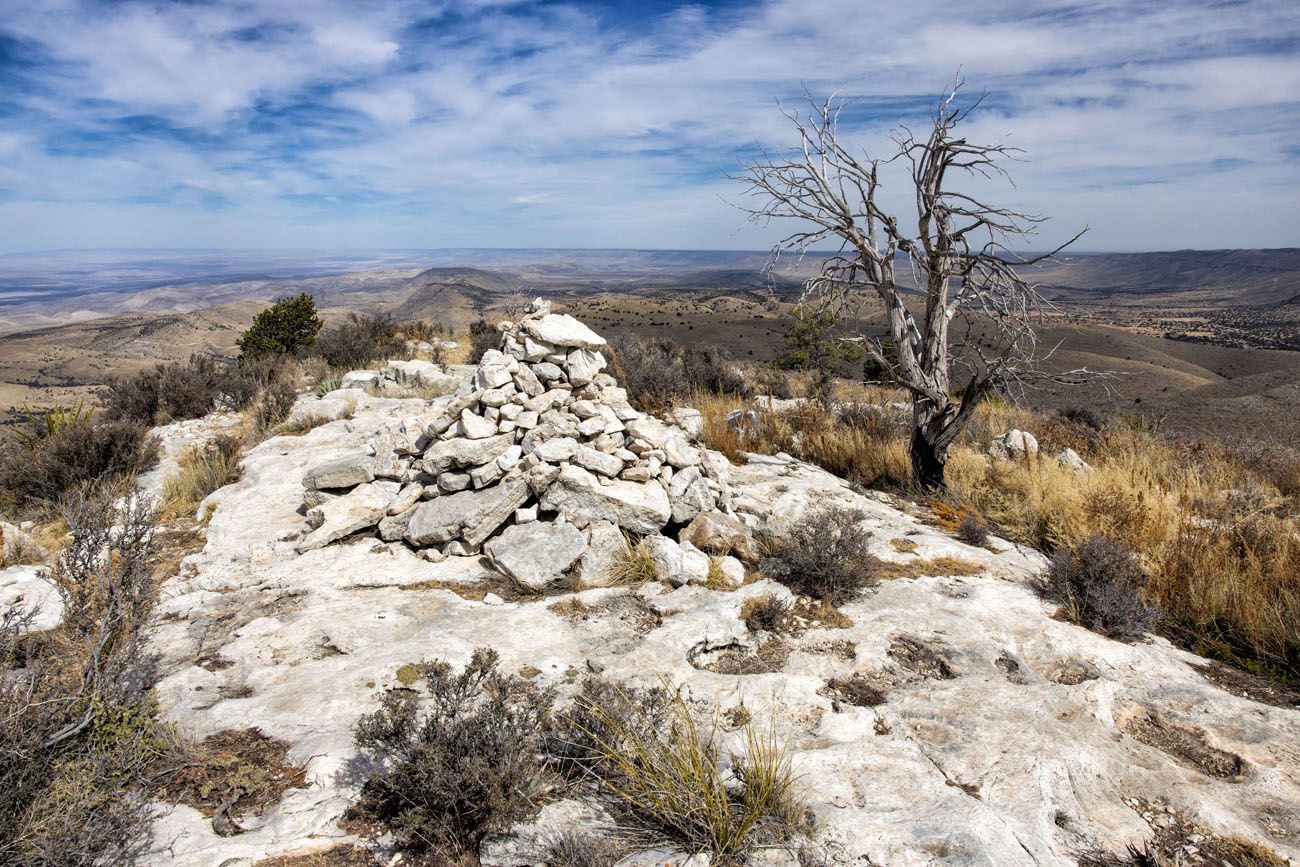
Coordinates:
x,y
537,460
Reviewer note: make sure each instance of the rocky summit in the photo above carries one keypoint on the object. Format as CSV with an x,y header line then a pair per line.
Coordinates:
x,y
945,716
538,432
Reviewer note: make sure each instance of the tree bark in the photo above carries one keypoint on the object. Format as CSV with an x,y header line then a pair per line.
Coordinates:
x,y
929,459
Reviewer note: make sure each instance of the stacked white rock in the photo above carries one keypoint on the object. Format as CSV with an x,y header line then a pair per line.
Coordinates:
x,y
538,460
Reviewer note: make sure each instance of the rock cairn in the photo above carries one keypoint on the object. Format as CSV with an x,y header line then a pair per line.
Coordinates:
x,y
538,461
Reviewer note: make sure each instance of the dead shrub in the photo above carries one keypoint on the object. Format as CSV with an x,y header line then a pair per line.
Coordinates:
x,y
766,613
1098,585
658,371
856,689
973,531
824,555
359,340
464,762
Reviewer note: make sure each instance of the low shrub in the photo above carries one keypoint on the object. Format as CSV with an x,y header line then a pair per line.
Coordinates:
x,y
767,613
973,530
172,392
483,336
582,849
37,474
659,371
273,407
80,743
463,763
1098,585
662,771
824,555
359,340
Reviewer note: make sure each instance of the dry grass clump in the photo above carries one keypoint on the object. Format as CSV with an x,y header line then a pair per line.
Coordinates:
x,y
1098,585
857,689
341,855
633,566
824,555
933,566
460,762
583,849
663,772
202,470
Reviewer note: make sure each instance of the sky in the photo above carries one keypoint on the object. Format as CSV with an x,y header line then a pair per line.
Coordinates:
x,y
1157,124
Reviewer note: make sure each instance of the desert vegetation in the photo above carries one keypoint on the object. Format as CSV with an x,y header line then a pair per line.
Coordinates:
x,y
80,747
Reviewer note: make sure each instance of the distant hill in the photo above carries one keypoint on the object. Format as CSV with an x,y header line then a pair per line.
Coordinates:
x,y
1222,278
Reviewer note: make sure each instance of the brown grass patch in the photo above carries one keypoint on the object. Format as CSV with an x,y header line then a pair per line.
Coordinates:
x,y
933,567
201,470
235,773
903,546
340,855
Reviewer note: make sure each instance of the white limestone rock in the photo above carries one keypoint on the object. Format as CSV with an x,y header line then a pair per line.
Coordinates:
x,y
638,508
560,329
359,509
536,554
345,472
469,515
1014,445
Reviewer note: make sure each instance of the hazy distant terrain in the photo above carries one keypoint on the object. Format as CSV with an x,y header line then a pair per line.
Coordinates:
x,y
1197,338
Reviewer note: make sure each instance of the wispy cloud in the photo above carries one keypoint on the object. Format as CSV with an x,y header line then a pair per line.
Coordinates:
x,y
330,123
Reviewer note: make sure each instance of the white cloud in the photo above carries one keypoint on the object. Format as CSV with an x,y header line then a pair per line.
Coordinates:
x,y
1138,118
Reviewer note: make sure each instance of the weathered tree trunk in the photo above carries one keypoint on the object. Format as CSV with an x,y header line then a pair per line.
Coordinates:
x,y
928,462
928,450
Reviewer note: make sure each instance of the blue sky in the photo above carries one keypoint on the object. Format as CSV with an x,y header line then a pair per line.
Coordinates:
x,y
350,124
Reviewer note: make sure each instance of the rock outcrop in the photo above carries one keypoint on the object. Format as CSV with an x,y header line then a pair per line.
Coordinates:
x,y
537,430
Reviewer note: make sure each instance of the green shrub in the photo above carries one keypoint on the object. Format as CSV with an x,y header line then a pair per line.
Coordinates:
x,y
824,555
287,327
1098,585
465,762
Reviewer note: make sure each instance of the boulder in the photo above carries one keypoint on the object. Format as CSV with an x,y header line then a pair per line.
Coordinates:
x,y
360,509
538,553
677,564
469,515
583,365
423,374
689,495
456,453
559,329
606,545
345,472
363,379
689,419
1014,445
719,533
679,452
404,499
636,507
319,411
475,427
1070,459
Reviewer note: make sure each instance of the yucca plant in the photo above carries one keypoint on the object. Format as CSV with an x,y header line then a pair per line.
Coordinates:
x,y
56,420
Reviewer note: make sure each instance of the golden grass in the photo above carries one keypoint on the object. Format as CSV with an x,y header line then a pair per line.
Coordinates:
x,y
674,778
201,470
633,567
945,566
1218,537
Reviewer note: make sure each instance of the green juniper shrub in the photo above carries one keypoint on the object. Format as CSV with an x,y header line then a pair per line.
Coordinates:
x,y
1098,584
287,327
463,761
825,555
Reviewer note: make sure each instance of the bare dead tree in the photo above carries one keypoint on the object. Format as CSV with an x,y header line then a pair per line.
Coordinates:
x,y
967,278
